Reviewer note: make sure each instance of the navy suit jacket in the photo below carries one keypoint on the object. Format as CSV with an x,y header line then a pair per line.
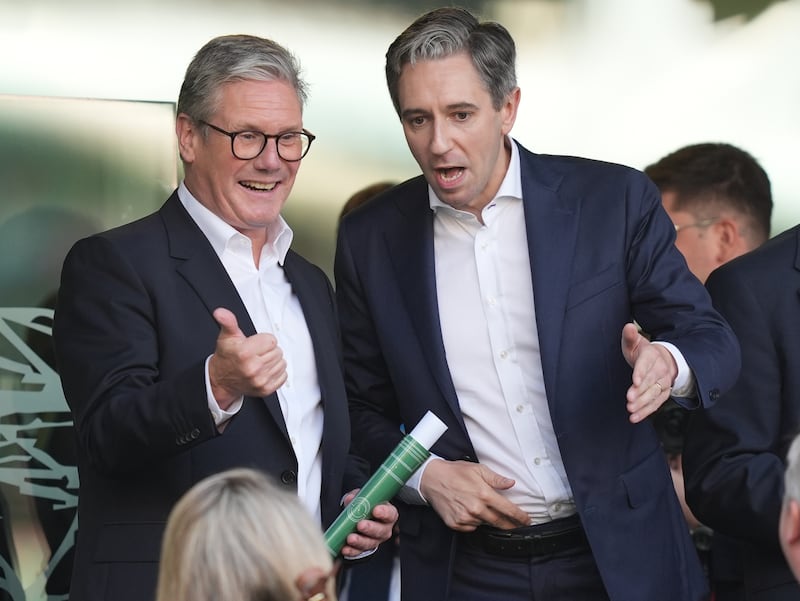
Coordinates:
x,y
133,328
735,453
601,254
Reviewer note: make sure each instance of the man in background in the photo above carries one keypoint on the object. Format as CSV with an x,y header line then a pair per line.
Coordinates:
x,y
720,200
734,456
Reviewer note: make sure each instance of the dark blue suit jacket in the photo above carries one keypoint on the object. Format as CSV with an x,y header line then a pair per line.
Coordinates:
x,y
133,328
602,254
735,454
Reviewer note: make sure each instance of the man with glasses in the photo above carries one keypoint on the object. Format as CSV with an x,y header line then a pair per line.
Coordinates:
x,y
720,200
734,453
195,340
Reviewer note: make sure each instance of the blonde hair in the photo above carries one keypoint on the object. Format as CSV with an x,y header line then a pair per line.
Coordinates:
x,y
236,535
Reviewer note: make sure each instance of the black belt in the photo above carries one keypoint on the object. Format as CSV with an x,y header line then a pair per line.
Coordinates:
x,y
531,541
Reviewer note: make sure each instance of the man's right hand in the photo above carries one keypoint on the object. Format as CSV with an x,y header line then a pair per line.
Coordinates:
x,y
465,496
242,365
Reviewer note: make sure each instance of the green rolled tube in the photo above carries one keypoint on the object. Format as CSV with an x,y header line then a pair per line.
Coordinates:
x,y
389,478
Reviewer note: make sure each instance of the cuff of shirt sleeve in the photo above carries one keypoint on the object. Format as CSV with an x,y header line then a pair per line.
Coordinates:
x,y
684,385
361,555
410,493
220,415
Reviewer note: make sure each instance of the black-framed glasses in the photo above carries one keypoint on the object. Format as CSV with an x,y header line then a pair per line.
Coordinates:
x,y
245,145
700,224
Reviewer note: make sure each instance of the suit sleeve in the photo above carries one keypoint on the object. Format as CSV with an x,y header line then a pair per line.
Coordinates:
x,y
733,453
127,415
673,306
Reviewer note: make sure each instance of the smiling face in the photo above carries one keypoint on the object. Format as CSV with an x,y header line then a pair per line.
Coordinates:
x,y
453,130
248,195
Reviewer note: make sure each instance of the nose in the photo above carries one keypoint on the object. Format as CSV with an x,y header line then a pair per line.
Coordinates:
x,y
441,141
268,160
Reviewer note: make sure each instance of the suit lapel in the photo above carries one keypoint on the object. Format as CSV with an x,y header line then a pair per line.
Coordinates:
x,y
200,266
319,313
319,320
552,224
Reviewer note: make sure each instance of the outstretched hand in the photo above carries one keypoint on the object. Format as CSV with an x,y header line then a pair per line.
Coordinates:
x,y
654,371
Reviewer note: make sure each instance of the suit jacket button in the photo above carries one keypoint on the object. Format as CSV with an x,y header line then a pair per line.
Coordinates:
x,y
288,477
195,433
714,394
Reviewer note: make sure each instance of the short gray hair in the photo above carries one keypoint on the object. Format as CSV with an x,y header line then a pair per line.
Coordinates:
x,y
230,58
444,32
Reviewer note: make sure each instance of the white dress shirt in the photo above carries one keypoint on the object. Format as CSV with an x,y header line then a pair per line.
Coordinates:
x,y
267,295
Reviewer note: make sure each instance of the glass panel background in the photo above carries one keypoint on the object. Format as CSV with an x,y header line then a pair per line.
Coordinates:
x,y
68,167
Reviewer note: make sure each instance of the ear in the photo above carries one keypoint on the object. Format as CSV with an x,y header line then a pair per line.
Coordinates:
x,y
508,112
729,240
188,137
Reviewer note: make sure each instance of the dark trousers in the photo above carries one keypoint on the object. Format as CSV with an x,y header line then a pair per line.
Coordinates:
x,y
567,575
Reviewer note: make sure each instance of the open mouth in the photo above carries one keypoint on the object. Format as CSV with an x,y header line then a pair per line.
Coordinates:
x,y
449,177
450,174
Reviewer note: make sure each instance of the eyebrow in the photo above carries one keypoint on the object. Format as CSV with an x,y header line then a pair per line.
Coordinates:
x,y
455,107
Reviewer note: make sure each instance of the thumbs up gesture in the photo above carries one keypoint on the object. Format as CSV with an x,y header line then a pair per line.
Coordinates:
x,y
242,365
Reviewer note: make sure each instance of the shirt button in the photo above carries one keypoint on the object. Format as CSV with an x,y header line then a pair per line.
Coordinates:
x,y
503,354
557,507
520,408
537,461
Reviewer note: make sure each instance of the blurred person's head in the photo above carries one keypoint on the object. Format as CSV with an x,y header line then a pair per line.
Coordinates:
x,y
240,130
363,195
452,81
237,536
719,199
789,528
